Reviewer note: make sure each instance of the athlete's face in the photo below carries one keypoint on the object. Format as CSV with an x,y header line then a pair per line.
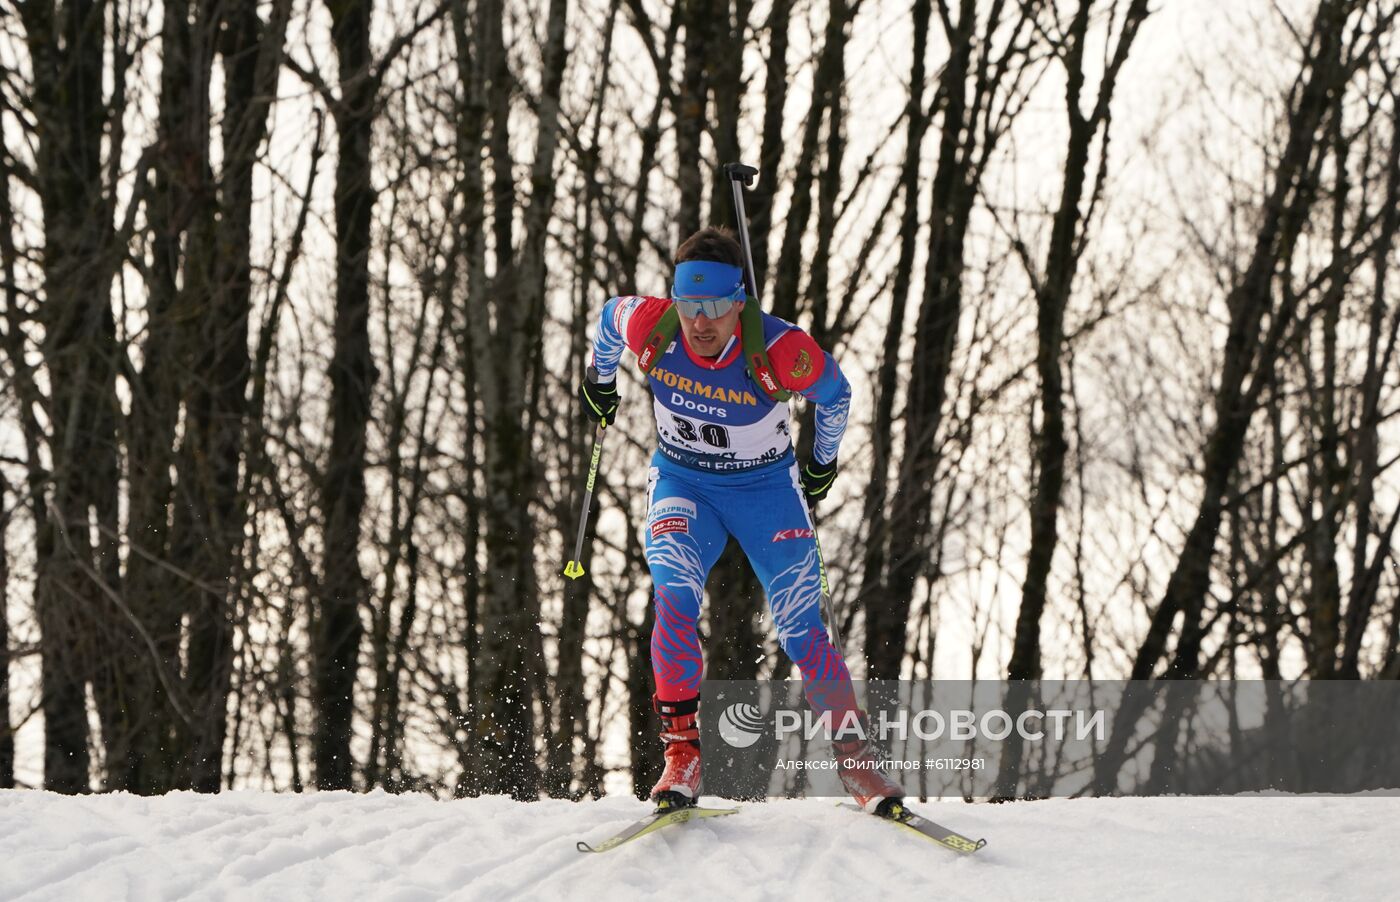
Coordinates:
x,y
707,337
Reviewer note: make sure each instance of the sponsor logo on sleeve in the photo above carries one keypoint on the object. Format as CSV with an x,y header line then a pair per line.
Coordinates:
x,y
622,313
783,535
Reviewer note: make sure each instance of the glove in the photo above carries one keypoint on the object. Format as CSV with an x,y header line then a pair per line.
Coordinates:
x,y
816,481
598,399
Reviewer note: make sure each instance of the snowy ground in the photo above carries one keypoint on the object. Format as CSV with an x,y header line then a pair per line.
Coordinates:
x,y
339,846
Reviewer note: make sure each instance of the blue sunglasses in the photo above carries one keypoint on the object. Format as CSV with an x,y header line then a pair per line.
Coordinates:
x,y
712,288
713,308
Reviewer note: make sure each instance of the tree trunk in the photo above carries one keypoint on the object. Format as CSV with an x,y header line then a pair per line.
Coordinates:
x,y
826,88
651,139
501,695
760,201
473,46
181,196
1361,598
828,192
215,432
7,736
887,602
509,675
67,59
725,73
880,627
691,110
27,395
352,377
571,702
1325,472
643,723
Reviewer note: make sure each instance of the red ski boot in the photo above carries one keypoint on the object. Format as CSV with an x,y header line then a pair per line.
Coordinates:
x,y
679,785
859,764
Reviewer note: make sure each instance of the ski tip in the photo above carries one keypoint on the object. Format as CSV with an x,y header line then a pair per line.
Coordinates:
x,y
584,847
960,844
965,846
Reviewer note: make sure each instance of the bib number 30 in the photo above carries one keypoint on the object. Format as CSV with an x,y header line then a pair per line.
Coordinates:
x,y
712,434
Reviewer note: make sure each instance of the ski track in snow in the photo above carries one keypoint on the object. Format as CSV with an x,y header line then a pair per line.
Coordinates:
x,y
375,846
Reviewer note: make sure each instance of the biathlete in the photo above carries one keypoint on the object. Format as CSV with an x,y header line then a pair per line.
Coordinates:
x,y
720,372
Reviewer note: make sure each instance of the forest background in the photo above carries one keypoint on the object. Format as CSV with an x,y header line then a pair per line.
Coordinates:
x,y
296,295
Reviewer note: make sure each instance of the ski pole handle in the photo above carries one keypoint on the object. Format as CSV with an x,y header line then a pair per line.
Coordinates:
x,y
739,172
741,176
573,569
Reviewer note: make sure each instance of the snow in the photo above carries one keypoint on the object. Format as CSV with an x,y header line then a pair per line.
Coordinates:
x,y
343,846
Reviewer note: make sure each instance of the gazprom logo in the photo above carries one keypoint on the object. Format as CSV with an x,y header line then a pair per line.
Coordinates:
x,y
741,725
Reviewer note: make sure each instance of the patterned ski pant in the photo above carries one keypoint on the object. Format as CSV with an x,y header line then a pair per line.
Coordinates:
x,y
691,515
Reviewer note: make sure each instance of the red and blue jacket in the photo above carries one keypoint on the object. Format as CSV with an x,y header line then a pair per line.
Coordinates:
x,y
710,414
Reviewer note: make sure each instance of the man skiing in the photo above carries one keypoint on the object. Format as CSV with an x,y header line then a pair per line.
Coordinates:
x,y
725,466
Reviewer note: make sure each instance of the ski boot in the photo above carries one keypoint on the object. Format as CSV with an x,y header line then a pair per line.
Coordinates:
x,y
858,764
679,785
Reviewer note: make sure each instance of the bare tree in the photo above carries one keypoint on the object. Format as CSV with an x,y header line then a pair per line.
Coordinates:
x,y
1261,320
7,736
214,444
1380,352
1054,284
180,217
980,90
502,324
66,51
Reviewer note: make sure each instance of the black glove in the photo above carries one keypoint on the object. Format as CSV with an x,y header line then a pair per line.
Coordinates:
x,y
598,399
816,481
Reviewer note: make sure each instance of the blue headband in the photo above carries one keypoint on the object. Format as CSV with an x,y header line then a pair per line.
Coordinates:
x,y
708,279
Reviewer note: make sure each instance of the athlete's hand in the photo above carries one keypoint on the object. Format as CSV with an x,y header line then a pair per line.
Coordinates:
x,y
598,399
816,481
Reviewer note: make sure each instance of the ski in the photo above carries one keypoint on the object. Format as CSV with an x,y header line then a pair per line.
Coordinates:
x,y
918,824
657,820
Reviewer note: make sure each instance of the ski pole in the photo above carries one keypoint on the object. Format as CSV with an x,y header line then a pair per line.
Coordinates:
x,y
573,569
826,598
740,177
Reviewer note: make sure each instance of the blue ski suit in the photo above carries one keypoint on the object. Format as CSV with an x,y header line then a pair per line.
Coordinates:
x,y
725,466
